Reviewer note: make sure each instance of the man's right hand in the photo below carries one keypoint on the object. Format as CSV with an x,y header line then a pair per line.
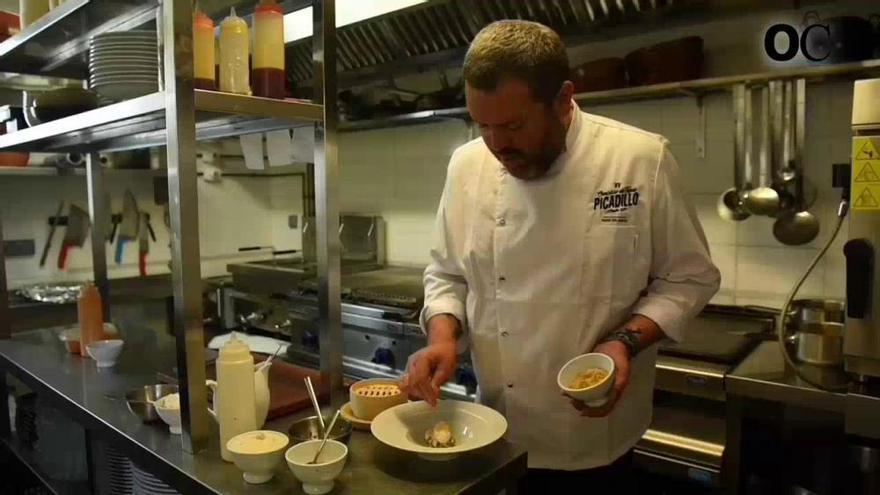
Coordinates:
x,y
431,367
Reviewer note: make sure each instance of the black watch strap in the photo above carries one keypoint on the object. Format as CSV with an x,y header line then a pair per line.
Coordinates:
x,y
628,337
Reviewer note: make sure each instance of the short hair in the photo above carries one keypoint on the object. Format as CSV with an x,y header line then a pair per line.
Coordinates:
x,y
517,49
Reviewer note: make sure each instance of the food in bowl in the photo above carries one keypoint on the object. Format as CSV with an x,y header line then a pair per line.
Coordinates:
x,y
170,401
257,453
474,426
599,393
371,397
168,408
378,390
588,378
440,435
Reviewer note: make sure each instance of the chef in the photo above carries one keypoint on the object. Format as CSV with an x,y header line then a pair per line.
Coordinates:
x,y
558,233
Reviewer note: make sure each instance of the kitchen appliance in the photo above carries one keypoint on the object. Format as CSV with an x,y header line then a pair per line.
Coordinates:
x,y
363,249
861,335
380,325
687,435
380,306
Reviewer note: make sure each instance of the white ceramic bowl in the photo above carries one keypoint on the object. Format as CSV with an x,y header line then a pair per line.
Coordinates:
x,y
597,395
170,415
257,453
317,479
473,426
105,352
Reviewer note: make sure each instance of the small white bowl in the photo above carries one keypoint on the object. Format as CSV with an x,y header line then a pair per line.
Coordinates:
x,y
170,415
257,453
317,479
597,395
105,352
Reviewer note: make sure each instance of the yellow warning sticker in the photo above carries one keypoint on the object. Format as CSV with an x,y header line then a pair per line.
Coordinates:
x,y
865,192
864,149
867,198
866,171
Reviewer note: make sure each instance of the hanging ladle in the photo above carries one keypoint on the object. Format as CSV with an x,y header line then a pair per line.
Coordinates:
x,y
764,200
730,203
797,226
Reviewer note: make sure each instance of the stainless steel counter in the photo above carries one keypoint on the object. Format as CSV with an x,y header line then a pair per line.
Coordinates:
x,y
764,375
79,388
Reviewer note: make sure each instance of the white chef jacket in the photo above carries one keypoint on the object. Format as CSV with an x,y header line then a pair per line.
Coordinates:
x,y
539,271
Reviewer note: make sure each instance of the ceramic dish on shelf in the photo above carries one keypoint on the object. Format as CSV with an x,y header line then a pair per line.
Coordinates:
x,y
356,422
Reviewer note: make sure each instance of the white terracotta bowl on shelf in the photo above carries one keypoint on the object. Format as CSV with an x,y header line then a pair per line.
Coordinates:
x,y
105,352
317,478
257,453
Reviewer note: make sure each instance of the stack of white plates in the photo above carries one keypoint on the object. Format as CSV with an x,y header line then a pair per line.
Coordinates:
x,y
124,65
147,484
120,480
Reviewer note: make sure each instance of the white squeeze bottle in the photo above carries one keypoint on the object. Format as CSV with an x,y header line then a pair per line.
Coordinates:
x,y
235,392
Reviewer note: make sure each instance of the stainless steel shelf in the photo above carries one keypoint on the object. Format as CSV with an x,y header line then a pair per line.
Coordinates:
x,y
57,44
696,87
140,123
74,172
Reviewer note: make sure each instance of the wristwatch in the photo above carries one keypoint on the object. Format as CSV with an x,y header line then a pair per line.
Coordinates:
x,y
629,338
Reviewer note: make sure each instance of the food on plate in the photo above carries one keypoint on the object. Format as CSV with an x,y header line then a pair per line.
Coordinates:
x,y
378,390
440,435
170,401
588,378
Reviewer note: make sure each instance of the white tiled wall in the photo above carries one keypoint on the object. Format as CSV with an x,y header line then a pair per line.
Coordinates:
x,y
235,212
399,173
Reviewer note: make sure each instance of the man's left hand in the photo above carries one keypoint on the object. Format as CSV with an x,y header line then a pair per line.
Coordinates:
x,y
620,355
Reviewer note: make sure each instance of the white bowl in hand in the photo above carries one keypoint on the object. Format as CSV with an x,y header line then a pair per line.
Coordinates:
x,y
317,478
472,426
105,352
595,395
257,453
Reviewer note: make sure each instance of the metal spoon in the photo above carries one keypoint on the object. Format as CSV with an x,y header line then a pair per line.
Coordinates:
x,y
314,398
326,436
787,173
764,200
730,203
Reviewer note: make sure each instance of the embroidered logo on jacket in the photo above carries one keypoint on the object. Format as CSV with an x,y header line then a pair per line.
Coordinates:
x,y
614,203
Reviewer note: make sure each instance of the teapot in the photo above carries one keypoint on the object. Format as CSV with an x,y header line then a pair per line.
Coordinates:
x,y
261,393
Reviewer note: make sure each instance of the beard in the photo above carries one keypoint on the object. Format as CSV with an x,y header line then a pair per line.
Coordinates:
x,y
533,165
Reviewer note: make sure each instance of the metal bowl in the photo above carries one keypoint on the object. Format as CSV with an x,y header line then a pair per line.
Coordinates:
x,y
138,404
309,429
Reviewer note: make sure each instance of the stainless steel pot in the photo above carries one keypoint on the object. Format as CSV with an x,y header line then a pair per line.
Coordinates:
x,y
819,344
815,311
